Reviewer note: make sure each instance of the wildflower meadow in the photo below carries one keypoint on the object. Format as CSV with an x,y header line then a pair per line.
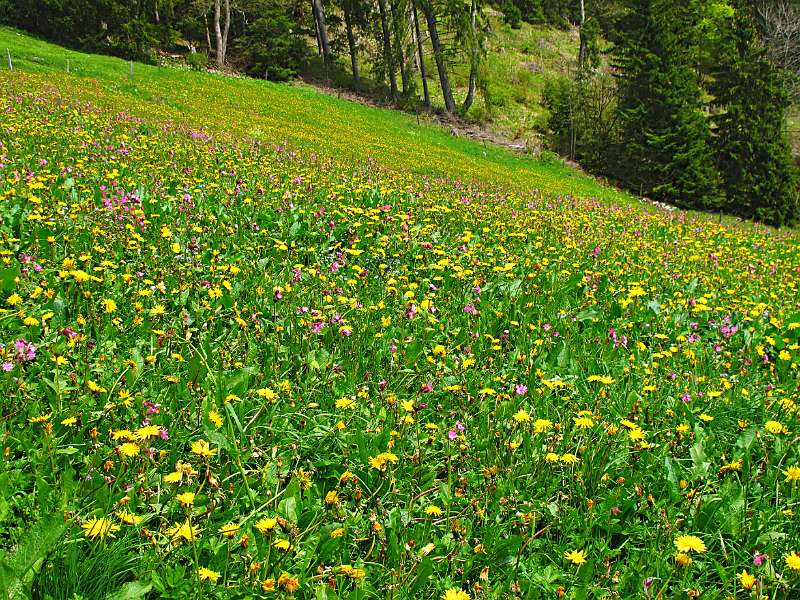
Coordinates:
x,y
234,369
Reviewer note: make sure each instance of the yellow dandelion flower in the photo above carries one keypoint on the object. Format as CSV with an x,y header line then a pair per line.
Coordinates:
x,y
690,543
201,448
208,575
99,528
746,579
576,557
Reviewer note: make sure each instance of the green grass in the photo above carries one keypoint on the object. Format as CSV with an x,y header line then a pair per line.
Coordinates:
x,y
297,114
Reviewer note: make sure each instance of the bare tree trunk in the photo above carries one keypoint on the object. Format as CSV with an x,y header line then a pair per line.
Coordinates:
x,y
155,10
208,33
473,58
438,54
322,30
583,49
396,7
351,43
388,57
225,31
426,96
219,44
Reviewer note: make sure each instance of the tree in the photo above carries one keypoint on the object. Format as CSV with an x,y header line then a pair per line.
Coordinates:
x,y
754,159
220,33
388,55
663,151
270,46
438,55
322,31
426,97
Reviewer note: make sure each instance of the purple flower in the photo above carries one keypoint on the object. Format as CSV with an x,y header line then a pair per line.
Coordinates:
x,y
521,389
452,434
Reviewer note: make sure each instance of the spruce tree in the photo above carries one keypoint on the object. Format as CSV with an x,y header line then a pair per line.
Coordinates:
x,y
754,159
663,150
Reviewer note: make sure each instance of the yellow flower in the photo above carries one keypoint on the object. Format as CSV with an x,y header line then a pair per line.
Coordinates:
x,y
690,543
129,449
214,417
792,473
522,416
551,457
288,583
542,425
576,557
183,530
148,431
283,545
433,510
747,580
186,498
604,379
455,594
338,532
102,528
378,462
345,403
266,525
569,459
706,418
683,559
207,574
109,305
128,517
774,427
267,394
583,422
792,561
69,421
352,572
201,448
332,497
268,585
14,299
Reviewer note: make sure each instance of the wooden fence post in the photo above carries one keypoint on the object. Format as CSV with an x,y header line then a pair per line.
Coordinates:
x,y
8,57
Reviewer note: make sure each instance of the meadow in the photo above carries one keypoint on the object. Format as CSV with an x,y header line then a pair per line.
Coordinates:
x,y
252,351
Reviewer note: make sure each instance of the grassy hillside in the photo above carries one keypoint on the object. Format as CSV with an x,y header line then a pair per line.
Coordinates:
x,y
299,115
230,370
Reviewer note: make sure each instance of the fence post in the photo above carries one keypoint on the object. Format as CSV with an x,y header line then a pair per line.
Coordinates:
x,y
67,66
8,57
130,70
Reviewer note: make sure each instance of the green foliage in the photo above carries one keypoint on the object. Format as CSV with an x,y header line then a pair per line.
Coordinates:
x,y
198,61
759,178
512,14
269,47
663,151
19,566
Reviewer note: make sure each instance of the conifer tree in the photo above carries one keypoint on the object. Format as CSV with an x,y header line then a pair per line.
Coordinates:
x,y
663,150
759,179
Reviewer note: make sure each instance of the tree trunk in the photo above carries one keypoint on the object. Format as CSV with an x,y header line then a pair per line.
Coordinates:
x,y
208,33
582,50
438,54
351,43
225,31
395,8
474,57
220,43
426,96
322,30
388,57
155,10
